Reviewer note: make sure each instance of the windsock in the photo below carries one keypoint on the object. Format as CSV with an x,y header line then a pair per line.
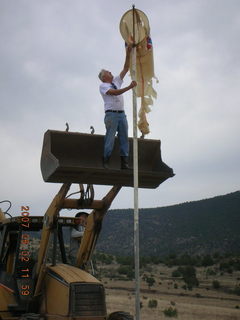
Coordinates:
x,y
134,25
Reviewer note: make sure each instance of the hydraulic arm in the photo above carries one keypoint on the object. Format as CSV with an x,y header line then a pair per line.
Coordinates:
x,y
91,233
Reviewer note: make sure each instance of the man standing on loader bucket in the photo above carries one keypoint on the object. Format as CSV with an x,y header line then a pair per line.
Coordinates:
x,y
115,118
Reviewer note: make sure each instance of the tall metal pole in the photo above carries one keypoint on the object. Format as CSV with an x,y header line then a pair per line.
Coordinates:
x,y
135,178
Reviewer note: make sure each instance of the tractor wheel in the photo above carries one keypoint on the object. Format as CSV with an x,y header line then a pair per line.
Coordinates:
x,y
120,315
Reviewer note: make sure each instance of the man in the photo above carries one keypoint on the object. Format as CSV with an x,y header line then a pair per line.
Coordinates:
x,y
115,119
77,234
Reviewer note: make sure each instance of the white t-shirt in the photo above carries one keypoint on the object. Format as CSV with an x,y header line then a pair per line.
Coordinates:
x,y
75,240
112,102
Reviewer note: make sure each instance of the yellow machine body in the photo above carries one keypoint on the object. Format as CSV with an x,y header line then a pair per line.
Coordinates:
x,y
37,278
72,293
65,292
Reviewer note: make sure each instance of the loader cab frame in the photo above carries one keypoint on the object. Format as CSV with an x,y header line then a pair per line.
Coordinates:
x,y
19,244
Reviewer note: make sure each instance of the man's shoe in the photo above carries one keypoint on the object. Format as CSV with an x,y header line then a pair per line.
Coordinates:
x,y
124,163
106,163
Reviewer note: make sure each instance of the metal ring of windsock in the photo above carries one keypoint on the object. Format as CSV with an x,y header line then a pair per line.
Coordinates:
x,y
139,30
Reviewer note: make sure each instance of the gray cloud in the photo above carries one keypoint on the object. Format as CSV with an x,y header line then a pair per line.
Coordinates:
x,y
51,52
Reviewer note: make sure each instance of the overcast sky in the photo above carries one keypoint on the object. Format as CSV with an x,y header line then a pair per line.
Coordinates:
x,y
51,53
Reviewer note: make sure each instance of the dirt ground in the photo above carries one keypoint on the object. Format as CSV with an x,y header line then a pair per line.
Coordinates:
x,y
202,303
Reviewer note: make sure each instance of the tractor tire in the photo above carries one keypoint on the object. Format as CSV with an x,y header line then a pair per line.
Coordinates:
x,y
120,315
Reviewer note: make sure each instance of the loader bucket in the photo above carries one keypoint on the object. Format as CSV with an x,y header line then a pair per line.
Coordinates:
x,y
75,157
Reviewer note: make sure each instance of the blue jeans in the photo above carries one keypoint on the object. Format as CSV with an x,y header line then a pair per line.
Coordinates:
x,y
116,122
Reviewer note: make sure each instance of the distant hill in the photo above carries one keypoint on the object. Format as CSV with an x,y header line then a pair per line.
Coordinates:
x,y
198,227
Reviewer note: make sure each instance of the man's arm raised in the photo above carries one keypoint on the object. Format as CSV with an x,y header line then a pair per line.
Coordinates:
x,y
127,62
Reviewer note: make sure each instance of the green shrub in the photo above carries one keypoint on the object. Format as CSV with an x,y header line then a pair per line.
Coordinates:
x,y
189,276
216,284
170,312
176,273
125,261
126,270
104,258
152,303
211,272
237,290
207,261
130,274
150,281
187,260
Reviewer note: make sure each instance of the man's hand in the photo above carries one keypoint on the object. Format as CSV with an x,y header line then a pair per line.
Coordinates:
x,y
129,48
133,84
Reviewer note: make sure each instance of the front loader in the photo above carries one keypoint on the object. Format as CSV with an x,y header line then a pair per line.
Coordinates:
x,y
37,279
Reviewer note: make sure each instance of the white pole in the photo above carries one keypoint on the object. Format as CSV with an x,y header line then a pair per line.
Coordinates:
x,y
135,181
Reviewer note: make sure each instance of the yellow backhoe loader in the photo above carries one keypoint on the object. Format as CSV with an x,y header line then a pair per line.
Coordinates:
x,y
37,279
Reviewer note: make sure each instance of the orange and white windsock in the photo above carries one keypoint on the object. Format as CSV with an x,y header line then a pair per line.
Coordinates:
x,y
134,28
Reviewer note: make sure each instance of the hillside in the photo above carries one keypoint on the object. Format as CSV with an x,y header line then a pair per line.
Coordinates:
x,y
198,227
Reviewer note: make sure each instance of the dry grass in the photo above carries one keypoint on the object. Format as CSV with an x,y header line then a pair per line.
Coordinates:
x,y
203,303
